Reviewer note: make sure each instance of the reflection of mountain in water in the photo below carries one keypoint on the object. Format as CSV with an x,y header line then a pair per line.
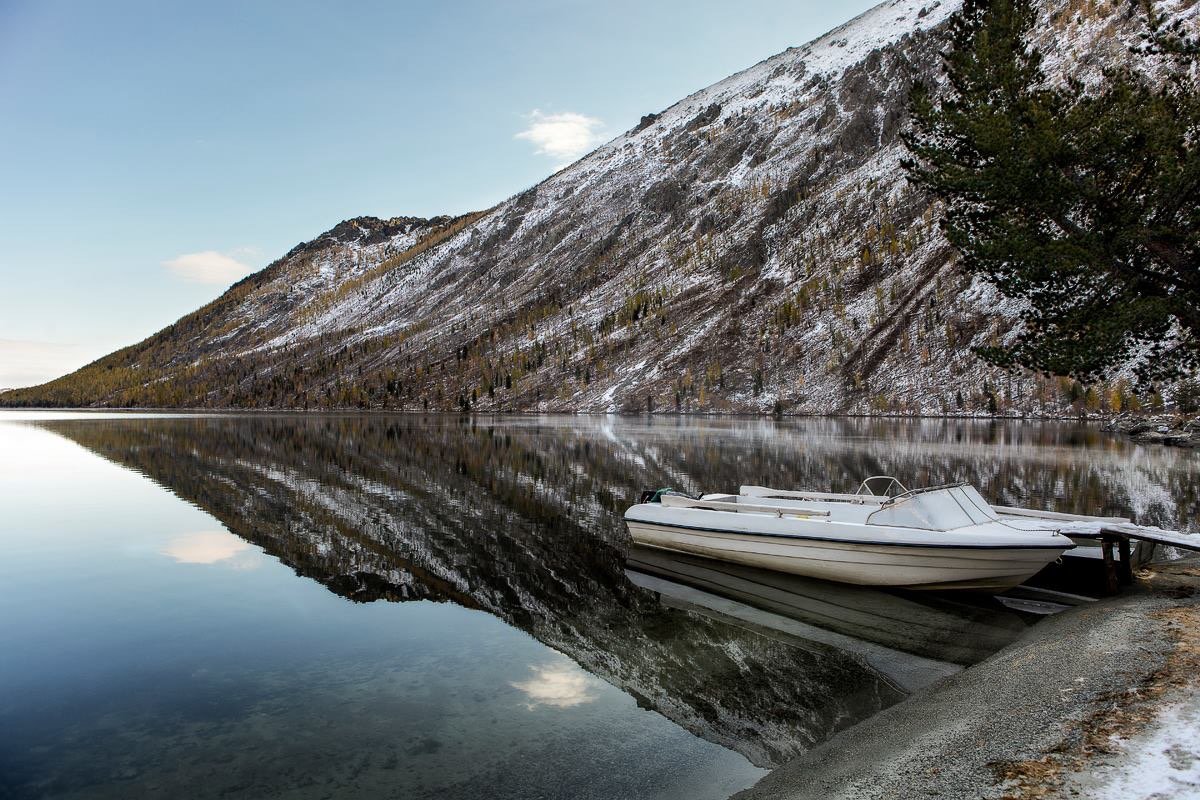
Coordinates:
x,y
521,518
377,508
1062,467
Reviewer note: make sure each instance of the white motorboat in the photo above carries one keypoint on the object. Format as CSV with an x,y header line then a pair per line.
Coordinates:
x,y
943,537
1084,530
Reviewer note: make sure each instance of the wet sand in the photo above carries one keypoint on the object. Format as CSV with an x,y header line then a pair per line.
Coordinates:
x,y
1075,708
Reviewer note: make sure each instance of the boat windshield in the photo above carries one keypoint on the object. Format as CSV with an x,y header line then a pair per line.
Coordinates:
x,y
941,509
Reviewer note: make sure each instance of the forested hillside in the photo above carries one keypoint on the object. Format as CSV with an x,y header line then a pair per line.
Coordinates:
x,y
753,248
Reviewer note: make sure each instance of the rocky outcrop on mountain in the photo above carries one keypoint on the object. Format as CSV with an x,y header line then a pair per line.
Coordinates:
x,y
754,247
368,232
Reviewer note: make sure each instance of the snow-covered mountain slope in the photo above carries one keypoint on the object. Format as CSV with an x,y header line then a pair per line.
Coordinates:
x,y
753,247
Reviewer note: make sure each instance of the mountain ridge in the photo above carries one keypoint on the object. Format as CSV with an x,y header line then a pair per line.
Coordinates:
x,y
753,247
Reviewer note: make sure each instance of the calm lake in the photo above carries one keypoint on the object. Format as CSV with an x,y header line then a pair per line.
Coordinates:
x,y
407,607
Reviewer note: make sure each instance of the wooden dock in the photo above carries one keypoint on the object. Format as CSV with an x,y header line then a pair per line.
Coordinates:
x,y
1115,537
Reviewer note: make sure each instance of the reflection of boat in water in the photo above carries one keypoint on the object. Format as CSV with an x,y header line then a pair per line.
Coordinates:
x,y
911,638
944,537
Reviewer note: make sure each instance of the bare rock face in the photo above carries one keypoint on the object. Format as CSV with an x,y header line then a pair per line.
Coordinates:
x,y
753,248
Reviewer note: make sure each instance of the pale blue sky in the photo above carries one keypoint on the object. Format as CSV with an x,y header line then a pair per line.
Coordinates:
x,y
136,133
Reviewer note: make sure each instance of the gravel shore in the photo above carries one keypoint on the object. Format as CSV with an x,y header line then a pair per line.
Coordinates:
x,y
1066,711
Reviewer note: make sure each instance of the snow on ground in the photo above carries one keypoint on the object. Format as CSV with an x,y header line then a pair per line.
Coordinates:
x,y
1160,763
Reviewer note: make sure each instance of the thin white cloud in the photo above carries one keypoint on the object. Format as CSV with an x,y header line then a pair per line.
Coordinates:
x,y
25,362
564,136
208,267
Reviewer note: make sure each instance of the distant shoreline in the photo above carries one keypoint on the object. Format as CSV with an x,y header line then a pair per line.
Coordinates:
x,y
1162,429
556,413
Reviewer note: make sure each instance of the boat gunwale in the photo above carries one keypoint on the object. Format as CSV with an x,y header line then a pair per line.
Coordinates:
x,y
832,540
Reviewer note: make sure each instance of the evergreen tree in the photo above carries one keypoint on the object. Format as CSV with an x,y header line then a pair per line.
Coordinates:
x,y
1083,203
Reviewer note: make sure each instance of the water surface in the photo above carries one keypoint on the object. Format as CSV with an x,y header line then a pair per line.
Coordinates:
x,y
407,606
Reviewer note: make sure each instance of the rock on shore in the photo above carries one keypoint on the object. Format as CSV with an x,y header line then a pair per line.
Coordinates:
x,y
1171,431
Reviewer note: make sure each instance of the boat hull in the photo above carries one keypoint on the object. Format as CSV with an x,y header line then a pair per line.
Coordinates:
x,y
859,563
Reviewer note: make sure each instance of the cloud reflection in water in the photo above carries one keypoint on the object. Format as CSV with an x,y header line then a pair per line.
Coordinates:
x,y
212,547
561,685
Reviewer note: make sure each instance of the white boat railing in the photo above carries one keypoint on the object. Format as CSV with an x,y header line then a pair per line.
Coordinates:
x,y
787,494
864,495
1011,511
890,483
676,501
